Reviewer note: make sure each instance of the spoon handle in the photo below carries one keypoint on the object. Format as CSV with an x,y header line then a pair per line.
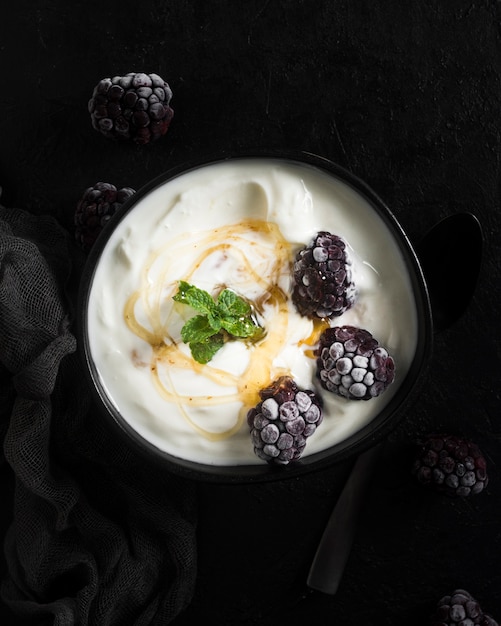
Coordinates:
x,y
334,548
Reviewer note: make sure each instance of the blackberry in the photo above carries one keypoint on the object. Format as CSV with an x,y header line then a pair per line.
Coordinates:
x,y
323,285
352,363
460,608
95,208
134,106
450,464
283,420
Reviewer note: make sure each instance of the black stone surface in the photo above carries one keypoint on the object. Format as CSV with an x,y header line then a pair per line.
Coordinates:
x,y
406,95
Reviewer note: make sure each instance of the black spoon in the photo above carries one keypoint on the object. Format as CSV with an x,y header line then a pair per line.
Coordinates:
x,y
450,255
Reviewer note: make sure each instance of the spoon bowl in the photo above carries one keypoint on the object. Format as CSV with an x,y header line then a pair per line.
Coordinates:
x,y
450,254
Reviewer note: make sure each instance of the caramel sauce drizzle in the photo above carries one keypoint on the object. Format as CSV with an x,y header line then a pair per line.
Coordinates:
x,y
153,294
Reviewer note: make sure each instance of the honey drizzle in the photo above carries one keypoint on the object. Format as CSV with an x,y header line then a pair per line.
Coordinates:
x,y
319,325
167,354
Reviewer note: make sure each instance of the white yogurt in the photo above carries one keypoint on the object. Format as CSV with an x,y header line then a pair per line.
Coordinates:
x,y
236,224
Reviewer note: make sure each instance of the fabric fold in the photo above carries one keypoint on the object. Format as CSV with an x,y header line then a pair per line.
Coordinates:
x,y
100,536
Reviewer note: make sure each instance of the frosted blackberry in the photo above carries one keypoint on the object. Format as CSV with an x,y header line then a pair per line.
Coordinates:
x,y
95,208
450,464
134,106
460,608
323,285
352,363
283,420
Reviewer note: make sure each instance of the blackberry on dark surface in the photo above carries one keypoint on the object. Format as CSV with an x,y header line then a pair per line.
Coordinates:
x,y
96,207
134,106
351,363
323,285
450,464
460,608
283,420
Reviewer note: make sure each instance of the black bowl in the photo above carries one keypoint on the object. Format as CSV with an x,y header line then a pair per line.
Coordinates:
x,y
374,432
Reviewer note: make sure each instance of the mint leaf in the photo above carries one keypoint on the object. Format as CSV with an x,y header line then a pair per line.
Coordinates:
x,y
197,298
214,320
230,316
203,351
230,304
197,329
236,315
240,327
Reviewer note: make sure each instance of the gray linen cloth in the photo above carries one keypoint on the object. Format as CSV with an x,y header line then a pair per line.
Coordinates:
x,y
99,536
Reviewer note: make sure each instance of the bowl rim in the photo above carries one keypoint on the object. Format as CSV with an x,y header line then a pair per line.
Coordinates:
x,y
372,433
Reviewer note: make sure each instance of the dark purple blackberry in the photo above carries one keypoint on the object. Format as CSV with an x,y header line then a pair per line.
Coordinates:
x,y
460,608
95,208
323,284
134,106
283,420
352,364
450,464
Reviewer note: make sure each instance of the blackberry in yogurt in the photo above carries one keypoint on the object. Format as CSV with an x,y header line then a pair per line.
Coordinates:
x,y
323,285
283,420
353,364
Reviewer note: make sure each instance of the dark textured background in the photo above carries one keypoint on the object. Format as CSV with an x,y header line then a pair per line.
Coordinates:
x,y
406,95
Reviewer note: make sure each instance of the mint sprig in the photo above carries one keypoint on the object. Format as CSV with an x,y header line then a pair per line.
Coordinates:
x,y
228,317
